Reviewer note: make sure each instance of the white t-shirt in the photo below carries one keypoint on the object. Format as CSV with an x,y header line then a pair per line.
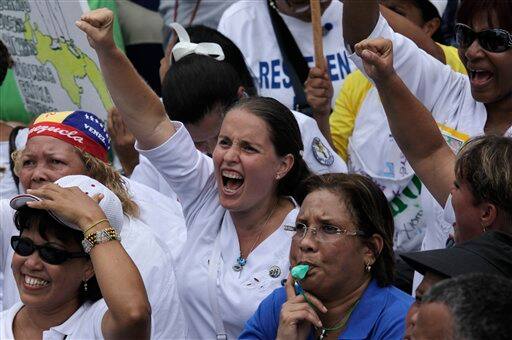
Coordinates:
x,y
190,173
149,254
248,25
318,155
85,323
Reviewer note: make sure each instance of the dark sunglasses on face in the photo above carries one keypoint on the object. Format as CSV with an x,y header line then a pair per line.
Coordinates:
x,y
494,40
25,247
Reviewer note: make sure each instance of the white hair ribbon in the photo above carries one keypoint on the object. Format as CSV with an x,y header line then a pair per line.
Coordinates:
x,y
184,47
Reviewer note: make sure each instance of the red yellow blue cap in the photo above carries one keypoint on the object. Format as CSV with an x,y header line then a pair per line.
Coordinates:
x,y
79,128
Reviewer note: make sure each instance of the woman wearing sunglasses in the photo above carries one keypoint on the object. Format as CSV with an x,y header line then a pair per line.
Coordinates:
x,y
477,104
344,233
67,256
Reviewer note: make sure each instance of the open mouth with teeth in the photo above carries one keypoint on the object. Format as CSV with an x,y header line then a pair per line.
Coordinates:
x,y
35,282
480,77
231,181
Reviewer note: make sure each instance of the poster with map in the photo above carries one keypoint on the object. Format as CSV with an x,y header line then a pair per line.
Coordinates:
x,y
55,68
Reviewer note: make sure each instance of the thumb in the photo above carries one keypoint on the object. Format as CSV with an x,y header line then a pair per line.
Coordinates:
x,y
98,197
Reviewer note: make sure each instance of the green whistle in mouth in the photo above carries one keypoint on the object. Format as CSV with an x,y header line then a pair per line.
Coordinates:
x,y
300,271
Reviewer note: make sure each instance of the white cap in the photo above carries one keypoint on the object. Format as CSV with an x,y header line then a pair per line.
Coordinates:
x,y
110,204
440,5
184,47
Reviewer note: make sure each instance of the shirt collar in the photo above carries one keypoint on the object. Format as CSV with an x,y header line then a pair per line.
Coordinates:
x,y
69,326
365,314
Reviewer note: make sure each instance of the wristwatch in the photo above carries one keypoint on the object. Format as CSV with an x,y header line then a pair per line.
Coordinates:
x,y
102,236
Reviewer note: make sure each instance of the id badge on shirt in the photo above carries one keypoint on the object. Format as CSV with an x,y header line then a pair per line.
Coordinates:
x,y
455,139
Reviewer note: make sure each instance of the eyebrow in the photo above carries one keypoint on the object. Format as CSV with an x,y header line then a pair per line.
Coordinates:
x,y
243,141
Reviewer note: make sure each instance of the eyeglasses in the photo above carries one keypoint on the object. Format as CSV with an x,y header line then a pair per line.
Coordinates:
x,y
323,233
494,40
25,247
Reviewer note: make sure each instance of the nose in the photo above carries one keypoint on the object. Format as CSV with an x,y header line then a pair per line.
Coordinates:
x,y
474,51
309,243
39,174
33,262
232,154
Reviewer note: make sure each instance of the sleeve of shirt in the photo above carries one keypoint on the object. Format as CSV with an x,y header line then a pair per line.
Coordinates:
x,y
95,315
318,153
431,81
264,323
144,173
188,172
349,100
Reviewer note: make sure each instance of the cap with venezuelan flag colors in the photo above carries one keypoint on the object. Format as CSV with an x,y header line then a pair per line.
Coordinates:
x,y
79,128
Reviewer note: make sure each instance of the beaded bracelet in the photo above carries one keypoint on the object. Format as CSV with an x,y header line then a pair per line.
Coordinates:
x,y
102,236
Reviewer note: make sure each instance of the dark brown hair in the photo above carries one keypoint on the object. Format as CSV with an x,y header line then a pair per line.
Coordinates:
x,y
26,218
502,9
370,210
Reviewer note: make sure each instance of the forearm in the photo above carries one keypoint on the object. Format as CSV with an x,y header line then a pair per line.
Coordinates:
x,y
142,110
359,19
129,311
322,120
418,136
406,28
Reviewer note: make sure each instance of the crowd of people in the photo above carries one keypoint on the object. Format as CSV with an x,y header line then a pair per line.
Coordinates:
x,y
266,194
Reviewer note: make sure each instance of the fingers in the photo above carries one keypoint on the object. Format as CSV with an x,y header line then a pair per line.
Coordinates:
x,y
98,18
313,300
379,46
290,289
295,317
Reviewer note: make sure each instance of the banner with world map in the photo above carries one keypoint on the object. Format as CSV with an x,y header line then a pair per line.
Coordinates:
x,y
54,66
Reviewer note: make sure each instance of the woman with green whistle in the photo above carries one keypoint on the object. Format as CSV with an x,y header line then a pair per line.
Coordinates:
x,y
342,258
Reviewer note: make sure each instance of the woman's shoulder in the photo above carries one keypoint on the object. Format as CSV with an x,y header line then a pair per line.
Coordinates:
x,y
398,298
6,319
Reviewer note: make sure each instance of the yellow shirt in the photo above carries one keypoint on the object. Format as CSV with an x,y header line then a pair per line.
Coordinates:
x,y
352,95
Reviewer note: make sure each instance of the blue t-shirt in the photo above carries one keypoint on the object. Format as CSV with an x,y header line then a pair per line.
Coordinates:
x,y
380,314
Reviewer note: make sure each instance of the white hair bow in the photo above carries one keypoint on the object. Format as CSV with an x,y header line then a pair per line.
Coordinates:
x,y
184,47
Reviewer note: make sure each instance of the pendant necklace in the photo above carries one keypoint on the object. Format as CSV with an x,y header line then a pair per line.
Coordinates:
x,y
339,325
241,261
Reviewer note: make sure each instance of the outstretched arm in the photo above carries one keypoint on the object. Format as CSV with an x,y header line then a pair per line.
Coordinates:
x,y
142,110
412,125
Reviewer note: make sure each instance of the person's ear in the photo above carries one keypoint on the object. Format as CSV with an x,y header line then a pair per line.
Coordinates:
x,y
285,166
88,270
488,215
431,26
374,245
241,92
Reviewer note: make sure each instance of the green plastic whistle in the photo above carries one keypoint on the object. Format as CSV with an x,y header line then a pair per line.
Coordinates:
x,y
300,271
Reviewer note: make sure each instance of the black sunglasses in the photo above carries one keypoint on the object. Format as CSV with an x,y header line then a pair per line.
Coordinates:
x,y
494,40
25,247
